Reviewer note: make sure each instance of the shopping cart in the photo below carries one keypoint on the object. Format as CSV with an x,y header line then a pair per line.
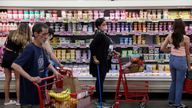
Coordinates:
x,y
44,99
137,92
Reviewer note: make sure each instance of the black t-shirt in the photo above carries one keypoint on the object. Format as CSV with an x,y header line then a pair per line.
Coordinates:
x,y
34,61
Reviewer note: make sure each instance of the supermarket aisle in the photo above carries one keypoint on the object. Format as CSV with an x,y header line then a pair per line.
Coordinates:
x,y
152,104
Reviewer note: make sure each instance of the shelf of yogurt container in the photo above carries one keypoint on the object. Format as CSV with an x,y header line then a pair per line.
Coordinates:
x,y
66,46
60,19
158,61
112,34
74,61
86,46
134,46
164,76
74,34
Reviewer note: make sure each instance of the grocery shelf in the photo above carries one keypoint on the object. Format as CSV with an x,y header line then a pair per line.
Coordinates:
x,y
89,21
74,62
150,61
86,46
134,77
70,46
136,46
74,4
73,35
157,83
125,34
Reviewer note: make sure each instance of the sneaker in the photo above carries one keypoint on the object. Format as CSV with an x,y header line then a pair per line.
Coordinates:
x,y
104,105
18,104
171,104
11,102
181,106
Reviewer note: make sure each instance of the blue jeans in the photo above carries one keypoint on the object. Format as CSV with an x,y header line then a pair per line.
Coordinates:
x,y
178,68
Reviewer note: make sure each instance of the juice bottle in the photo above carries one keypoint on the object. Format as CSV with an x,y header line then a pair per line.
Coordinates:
x,y
31,15
26,15
90,15
101,14
21,15
10,14
63,14
42,15
37,15
117,14
15,15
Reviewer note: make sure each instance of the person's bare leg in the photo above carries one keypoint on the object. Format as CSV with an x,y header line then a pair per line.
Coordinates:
x,y
17,85
7,84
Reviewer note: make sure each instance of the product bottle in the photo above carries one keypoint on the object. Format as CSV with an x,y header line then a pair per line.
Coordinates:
x,y
15,15
54,14
113,27
96,14
90,15
1,27
112,15
80,15
117,14
85,28
63,14
165,14
31,15
90,28
26,15
42,15
118,28
10,14
122,27
14,26
101,14
109,27
11,26
69,15
6,27
21,16
69,27
85,15
5,16
37,15
122,14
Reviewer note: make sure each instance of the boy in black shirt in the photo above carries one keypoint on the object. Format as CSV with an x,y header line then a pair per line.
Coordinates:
x,y
31,64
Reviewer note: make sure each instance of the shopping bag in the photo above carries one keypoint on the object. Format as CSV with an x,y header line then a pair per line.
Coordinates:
x,y
188,83
189,75
72,83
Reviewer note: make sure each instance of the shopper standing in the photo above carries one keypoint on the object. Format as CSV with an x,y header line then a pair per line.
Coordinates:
x,y
53,59
99,54
31,64
179,61
14,44
51,56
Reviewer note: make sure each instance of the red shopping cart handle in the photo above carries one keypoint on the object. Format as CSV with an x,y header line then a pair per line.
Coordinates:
x,y
49,77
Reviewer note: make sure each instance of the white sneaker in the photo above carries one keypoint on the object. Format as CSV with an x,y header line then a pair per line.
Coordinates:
x,y
181,106
18,104
11,102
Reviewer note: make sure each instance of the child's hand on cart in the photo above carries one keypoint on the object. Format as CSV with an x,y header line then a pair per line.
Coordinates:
x,y
58,75
35,79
